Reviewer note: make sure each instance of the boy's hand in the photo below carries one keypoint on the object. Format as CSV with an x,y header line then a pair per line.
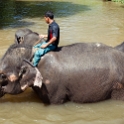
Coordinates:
x,y
44,46
41,36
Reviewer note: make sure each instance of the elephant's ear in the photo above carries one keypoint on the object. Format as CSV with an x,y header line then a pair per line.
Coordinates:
x,y
30,76
16,40
19,39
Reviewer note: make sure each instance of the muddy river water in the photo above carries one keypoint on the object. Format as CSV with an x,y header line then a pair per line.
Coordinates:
x,y
80,21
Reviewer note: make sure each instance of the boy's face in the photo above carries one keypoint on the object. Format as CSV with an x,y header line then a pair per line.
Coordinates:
x,y
47,19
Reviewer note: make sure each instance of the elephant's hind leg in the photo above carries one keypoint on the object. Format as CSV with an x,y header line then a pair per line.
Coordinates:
x,y
118,92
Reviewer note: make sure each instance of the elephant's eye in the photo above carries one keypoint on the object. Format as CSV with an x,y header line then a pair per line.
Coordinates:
x,y
3,76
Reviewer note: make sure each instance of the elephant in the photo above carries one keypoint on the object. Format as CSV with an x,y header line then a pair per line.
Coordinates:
x,y
19,34
81,73
26,36
120,47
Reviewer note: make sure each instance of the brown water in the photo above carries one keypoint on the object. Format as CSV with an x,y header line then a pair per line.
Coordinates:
x,y
80,21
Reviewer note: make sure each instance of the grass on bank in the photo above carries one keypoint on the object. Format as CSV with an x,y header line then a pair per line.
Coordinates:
x,y
122,1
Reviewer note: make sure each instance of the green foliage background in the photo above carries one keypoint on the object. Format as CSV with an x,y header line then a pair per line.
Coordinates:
x,y
122,1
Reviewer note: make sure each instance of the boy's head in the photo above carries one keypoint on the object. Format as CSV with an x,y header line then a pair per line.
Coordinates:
x,y
48,16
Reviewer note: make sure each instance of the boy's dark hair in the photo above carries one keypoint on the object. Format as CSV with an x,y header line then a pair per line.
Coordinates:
x,y
49,14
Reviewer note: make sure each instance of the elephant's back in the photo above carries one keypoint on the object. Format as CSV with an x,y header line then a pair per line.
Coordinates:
x,y
88,69
82,57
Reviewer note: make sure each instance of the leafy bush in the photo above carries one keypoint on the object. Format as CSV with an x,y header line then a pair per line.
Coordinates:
x,y
122,1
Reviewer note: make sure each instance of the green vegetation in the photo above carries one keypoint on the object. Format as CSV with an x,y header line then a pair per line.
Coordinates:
x,y
122,1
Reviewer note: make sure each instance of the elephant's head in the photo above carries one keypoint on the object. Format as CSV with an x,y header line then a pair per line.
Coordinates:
x,y
17,82
19,35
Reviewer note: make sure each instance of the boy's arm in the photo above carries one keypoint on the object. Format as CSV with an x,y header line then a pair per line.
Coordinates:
x,y
43,36
52,40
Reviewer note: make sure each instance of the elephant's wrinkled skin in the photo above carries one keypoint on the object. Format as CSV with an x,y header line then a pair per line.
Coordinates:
x,y
83,72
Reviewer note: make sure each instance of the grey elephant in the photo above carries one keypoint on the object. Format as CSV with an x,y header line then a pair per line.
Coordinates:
x,y
120,47
26,36
82,73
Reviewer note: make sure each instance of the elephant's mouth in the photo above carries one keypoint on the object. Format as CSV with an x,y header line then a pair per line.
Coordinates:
x,y
2,93
2,88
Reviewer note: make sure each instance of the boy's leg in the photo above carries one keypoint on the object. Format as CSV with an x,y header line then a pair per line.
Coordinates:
x,y
50,48
40,52
39,44
36,53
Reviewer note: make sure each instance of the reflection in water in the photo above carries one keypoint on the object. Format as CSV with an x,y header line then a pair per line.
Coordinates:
x,y
80,21
12,12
